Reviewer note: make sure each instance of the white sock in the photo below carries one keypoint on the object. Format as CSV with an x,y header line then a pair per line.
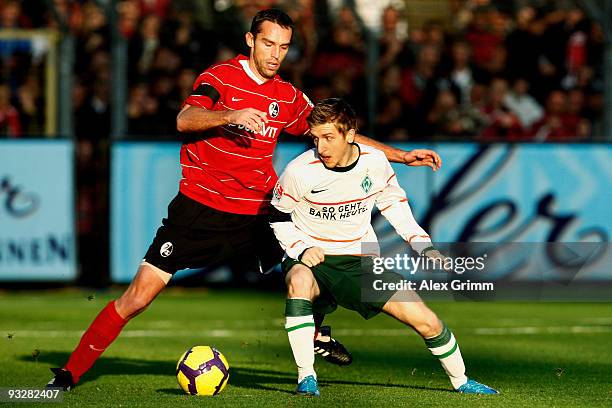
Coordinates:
x,y
445,347
300,330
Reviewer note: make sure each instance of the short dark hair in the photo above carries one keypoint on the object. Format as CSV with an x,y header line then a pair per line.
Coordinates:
x,y
336,111
273,15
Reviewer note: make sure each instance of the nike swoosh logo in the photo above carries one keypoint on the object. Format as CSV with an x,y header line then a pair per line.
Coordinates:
x,y
91,346
317,191
236,99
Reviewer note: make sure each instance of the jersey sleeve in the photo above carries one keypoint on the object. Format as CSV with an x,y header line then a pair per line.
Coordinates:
x,y
299,126
207,90
393,205
287,194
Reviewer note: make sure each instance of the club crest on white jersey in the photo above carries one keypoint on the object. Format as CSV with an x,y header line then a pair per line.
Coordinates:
x,y
366,184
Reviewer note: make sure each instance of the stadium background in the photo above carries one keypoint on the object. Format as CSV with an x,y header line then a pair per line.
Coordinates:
x,y
89,91
514,95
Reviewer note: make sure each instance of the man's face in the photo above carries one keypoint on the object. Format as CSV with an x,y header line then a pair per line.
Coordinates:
x,y
333,147
268,48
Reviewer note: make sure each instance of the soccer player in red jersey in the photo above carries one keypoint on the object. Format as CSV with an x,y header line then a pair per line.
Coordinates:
x,y
233,119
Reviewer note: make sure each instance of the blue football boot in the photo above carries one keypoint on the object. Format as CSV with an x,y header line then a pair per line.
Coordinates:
x,y
309,387
474,387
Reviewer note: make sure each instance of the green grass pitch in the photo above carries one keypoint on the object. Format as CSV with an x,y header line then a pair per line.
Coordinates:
x,y
536,354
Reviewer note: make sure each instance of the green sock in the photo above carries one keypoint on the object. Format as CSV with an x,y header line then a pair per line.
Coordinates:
x,y
300,326
445,347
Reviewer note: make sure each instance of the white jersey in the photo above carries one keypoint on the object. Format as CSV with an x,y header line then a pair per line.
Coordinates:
x,y
331,208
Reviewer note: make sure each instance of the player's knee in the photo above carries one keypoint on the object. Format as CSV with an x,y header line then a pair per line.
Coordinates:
x,y
140,303
300,281
430,326
131,304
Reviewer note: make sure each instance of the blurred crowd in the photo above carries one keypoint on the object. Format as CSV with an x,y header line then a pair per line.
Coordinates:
x,y
509,71
497,70
505,70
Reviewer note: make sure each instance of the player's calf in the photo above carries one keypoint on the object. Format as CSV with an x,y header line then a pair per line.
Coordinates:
x,y
107,325
145,287
438,338
417,315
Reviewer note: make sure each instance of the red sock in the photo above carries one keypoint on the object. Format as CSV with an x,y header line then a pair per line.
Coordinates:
x,y
100,334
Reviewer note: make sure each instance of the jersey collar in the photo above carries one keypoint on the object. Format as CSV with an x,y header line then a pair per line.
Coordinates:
x,y
345,168
249,72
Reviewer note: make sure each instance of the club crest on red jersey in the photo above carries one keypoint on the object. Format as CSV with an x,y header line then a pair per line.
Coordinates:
x,y
273,109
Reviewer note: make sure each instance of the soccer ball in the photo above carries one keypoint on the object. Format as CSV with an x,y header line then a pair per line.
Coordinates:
x,y
202,370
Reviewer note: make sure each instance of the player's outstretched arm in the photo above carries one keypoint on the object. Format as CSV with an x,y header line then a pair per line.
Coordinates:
x,y
393,205
195,119
417,157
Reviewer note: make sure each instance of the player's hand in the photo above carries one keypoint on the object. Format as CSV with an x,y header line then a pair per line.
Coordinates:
x,y
250,118
423,157
313,256
438,259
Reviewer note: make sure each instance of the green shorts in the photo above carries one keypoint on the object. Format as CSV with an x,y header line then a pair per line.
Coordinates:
x,y
343,280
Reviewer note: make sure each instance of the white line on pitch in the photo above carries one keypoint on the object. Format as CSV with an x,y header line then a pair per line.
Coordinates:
x,y
223,333
542,330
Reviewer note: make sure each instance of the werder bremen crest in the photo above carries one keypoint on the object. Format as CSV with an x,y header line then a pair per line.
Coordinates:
x,y
366,184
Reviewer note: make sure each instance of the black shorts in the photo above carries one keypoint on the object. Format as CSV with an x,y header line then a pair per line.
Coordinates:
x,y
197,236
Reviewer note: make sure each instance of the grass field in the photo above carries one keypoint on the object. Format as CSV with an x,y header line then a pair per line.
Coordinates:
x,y
537,354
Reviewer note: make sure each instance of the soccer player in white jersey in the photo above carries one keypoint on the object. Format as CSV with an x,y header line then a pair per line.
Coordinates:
x,y
322,211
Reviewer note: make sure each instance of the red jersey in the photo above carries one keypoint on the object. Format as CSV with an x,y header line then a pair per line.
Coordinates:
x,y
229,167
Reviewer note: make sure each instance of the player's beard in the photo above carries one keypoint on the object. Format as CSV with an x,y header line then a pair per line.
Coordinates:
x,y
266,73
263,70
